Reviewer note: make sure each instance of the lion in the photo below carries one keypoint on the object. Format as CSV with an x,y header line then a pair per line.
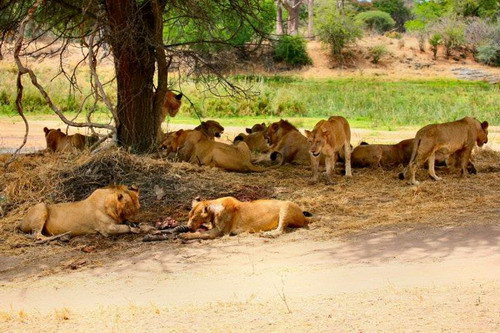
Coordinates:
x,y
236,157
255,139
329,137
286,141
104,212
57,141
456,138
229,216
210,128
171,105
378,155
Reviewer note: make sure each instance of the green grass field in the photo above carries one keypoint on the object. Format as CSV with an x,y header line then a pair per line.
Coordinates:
x,y
366,102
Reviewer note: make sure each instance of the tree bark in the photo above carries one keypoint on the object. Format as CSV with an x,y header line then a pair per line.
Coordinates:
x,y
279,18
131,29
310,19
293,17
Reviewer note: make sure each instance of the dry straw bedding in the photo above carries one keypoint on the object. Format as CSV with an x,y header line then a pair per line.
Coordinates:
x,y
371,199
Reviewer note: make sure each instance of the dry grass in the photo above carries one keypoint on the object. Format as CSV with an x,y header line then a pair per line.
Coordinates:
x,y
371,199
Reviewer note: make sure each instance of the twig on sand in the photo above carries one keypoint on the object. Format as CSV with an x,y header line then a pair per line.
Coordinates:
x,y
282,294
50,239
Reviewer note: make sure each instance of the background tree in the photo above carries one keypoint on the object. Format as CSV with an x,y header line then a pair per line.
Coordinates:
x,y
144,38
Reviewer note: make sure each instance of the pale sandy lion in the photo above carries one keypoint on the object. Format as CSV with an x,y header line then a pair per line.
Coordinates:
x,y
456,138
328,138
230,216
102,212
59,142
286,142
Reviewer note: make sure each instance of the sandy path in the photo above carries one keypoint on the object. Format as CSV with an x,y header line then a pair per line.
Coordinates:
x,y
421,279
12,132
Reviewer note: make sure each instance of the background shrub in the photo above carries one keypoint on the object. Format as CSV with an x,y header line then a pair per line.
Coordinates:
x,y
452,30
335,29
489,54
292,51
377,52
435,40
397,9
376,20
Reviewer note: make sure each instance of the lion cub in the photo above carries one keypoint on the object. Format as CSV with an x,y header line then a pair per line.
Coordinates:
x,y
102,212
230,216
327,138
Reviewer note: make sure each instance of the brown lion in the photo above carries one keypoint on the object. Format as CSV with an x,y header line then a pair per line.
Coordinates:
x,y
375,156
59,142
230,216
328,138
288,143
171,105
210,128
456,138
104,212
255,139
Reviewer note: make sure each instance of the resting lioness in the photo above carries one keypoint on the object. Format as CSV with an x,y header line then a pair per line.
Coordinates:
x,y
328,138
255,139
377,155
59,142
210,128
457,138
288,143
102,212
230,216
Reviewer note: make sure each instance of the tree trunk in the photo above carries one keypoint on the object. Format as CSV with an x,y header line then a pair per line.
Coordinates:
x,y
310,19
131,30
279,18
293,17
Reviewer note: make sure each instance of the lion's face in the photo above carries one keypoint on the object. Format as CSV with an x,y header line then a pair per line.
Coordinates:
x,y
122,202
172,103
172,141
213,128
482,134
256,128
317,140
199,214
271,133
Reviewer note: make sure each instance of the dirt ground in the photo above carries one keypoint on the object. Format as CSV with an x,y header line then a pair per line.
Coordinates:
x,y
379,255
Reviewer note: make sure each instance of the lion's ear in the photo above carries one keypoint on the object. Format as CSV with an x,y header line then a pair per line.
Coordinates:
x,y
195,201
308,133
134,188
179,132
119,197
248,130
178,96
46,130
275,126
484,125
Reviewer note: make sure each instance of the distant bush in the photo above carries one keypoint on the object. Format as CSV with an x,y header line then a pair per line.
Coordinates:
x,y
452,30
393,34
335,29
435,40
489,54
376,20
292,51
377,52
418,28
397,9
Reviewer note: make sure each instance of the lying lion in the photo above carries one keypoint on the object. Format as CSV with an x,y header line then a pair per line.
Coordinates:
x,y
59,142
182,142
328,138
230,216
102,212
456,138
255,139
288,143
197,148
377,155
210,128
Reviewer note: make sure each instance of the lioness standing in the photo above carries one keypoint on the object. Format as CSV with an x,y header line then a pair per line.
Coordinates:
x,y
456,137
228,216
327,138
